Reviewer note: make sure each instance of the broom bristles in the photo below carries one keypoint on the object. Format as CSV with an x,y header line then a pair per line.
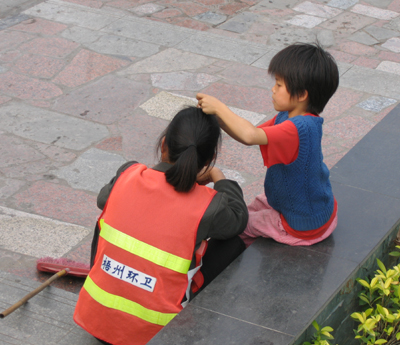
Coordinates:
x,y
49,264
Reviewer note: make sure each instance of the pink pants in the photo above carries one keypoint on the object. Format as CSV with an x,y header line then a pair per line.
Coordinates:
x,y
264,221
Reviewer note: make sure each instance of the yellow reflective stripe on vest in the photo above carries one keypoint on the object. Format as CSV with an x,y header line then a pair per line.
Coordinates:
x,y
144,250
125,305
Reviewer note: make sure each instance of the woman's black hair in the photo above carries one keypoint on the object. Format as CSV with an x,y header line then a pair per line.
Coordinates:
x,y
307,67
193,139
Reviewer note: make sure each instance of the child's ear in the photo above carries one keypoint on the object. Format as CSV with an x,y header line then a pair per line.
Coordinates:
x,y
304,96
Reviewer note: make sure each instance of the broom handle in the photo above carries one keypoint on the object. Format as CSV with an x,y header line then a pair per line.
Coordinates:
x,y
33,293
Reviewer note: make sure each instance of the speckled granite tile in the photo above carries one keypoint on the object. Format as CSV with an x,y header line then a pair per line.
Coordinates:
x,y
317,10
389,66
343,4
182,80
342,100
146,9
347,23
348,127
65,204
50,127
305,20
91,170
50,46
40,26
106,100
11,39
250,98
376,104
87,66
38,66
23,233
169,60
19,86
374,12
111,144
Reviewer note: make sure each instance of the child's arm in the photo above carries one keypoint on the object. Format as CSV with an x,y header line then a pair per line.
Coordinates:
x,y
237,127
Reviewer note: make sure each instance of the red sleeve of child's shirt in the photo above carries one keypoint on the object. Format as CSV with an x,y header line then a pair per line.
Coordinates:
x,y
283,143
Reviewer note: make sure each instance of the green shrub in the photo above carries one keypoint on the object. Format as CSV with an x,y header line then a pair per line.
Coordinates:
x,y
321,336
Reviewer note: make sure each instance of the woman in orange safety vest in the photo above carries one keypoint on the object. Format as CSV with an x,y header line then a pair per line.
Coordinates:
x,y
148,256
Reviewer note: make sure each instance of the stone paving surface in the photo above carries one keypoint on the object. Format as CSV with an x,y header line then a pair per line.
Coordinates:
x,y
86,85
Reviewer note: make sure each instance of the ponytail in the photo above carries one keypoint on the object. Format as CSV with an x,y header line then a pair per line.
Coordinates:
x,y
192,139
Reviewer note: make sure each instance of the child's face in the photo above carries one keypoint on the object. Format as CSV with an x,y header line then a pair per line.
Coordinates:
x,y
282,100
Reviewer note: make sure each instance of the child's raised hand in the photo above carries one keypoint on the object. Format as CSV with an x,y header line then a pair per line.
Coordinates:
x,y
209,104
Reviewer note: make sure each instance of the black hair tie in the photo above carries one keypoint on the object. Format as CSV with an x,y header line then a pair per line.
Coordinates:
x,y
192,145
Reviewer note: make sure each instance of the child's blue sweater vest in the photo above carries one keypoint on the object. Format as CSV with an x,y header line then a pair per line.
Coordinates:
x,y
301,191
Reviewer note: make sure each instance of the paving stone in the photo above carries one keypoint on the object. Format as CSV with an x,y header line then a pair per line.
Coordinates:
x,y
342,57
285,36
81,35
392,44
350,126
50,127
211,18
305,21
347,23
106,101
223,48
70,14
394,6
57,154
38,66
264,61
240,23
50,46
341,101
11,39
15,151
385,55
13,20
379,3
65,204
168,13
92,170
371,81
233,175
16,85
40,26
326,38
166,105
232,8
148,31
376,104
89,3
389,66
250,98
3,69
247,75
363,38
110,144
374,12
189,23
343,4
366,62
190,8
148,8
117,45
182,80
381,33
317,10
4,99
274,4
169,60
87,66
357,48
23,233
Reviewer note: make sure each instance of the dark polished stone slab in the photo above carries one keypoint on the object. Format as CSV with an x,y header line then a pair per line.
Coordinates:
x,y
203,327
276,286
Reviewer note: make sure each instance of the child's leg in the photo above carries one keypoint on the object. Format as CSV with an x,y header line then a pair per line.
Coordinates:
x,y
264,221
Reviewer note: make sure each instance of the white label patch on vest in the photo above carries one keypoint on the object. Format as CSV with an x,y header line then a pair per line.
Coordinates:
x,y
128,274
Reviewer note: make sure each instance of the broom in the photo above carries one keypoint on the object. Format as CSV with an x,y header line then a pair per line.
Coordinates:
x,y
61,267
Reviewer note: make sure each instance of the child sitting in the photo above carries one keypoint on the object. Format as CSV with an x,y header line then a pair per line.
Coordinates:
x,y
298,207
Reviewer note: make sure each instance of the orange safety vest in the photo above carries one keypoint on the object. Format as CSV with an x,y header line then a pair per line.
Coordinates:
x,y
141,270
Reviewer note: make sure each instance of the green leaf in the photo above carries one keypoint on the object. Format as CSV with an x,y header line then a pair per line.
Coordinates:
x,y
381,341
364,283
381,266
327,329
398,336
357,316
315,324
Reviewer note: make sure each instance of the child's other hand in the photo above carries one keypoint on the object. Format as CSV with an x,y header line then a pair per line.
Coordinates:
x,y
209,104
211,175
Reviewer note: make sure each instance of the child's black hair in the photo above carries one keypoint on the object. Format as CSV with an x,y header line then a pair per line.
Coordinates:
x,y
193,139
307,67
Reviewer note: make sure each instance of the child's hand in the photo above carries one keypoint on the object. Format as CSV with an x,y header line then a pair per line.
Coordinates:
x,y
209,104
211,175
